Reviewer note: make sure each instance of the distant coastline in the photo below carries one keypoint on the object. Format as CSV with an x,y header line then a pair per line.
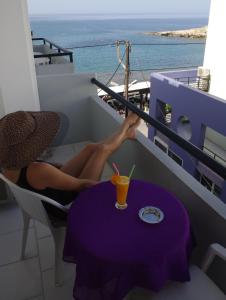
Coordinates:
x,y
193,33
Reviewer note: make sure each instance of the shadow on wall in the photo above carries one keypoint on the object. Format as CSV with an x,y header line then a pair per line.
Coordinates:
x,y
2,107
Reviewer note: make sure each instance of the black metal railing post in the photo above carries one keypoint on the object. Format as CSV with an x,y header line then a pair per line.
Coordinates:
x,y
184,144
60,51
198,82
215,155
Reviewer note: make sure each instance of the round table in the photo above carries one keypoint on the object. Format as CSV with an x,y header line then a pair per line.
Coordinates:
x,y
114,250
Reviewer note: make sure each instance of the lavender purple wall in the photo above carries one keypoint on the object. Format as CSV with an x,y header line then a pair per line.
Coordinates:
x,y
202,109
180,73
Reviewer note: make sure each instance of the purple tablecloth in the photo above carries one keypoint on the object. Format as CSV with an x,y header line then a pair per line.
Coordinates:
x,y
114,250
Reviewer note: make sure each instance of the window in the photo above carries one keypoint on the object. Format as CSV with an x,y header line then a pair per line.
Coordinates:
x,y
175,157
210,185
206,182
163,146
217,190
163,112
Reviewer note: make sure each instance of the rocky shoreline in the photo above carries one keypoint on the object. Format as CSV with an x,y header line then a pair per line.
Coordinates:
x,y
193,33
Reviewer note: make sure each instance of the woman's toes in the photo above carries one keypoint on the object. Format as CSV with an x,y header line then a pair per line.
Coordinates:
x,y
132,118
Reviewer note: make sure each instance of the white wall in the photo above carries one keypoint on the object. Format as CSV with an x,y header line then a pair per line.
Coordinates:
x,y
215,52
61,68
18,83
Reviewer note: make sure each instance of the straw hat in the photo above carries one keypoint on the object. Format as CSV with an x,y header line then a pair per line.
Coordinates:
x,y
24,136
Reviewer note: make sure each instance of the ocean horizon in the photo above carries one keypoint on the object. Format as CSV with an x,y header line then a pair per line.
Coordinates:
x,y
85,33
108,16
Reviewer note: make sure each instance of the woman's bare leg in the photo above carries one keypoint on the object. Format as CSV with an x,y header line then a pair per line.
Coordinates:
x,y
95,165
77,164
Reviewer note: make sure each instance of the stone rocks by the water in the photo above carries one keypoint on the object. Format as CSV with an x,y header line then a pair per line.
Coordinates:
x,y
195,33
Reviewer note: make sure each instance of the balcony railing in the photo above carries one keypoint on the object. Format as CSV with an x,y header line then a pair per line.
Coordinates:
x,y
184,144
201,83
138,97
214,155
59,51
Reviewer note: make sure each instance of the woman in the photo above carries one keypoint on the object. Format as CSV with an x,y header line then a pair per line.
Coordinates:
x,y
23,138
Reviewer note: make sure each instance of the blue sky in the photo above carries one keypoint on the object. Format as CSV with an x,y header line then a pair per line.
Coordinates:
x,y
154,8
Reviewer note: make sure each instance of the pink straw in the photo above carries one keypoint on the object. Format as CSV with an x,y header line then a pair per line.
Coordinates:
x,y
115,168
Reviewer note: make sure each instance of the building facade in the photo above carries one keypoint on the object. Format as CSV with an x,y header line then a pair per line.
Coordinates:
x,y
196,116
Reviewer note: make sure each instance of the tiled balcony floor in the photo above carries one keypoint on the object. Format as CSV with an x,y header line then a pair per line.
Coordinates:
x,y
33,278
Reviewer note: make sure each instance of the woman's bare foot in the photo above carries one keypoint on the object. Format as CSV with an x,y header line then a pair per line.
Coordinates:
x,y
122,131
130,120
131,132
126,130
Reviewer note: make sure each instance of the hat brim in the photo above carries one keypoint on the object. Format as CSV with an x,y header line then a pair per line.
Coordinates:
x,y
20,155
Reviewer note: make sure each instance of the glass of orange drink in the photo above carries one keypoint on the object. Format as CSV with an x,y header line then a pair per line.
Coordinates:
x,y
122,185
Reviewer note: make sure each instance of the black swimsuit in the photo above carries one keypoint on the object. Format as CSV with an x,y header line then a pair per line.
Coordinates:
x,y
62,197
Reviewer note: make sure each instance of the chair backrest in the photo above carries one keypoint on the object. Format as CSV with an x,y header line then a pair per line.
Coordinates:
x,y
31,202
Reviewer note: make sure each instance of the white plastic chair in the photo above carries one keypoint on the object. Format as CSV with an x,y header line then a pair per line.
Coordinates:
x,y
200,287
32,208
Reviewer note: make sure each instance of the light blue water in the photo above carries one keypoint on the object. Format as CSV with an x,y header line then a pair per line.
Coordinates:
x,y
74,32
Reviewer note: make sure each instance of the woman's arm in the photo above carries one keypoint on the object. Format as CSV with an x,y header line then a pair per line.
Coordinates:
x,y
43,175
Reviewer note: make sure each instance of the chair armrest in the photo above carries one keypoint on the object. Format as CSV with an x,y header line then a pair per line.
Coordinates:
x,y
54,203
12,185
213,250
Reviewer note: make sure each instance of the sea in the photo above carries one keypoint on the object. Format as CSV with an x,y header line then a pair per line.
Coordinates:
x,y
92,38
